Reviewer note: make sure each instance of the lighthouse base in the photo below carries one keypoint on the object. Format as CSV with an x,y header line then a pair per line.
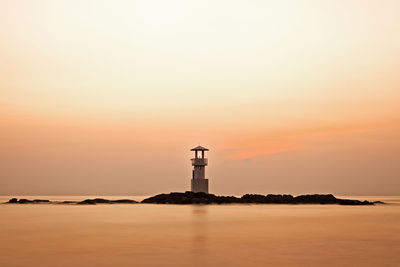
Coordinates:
x,y
199,185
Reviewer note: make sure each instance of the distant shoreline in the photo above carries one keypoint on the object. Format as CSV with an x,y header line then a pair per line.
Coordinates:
x,y
203,198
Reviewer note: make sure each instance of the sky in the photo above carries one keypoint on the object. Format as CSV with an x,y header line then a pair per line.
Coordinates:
x,y
108,97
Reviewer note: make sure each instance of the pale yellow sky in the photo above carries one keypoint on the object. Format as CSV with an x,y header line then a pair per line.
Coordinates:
x,y
107,97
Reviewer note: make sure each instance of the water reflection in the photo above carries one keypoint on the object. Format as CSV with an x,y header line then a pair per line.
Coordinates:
x,y
199,234
196,235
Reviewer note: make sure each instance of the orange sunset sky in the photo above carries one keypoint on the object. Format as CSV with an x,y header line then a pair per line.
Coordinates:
x,y
107,97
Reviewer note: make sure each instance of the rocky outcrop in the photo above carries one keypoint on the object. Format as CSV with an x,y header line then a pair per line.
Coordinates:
x,y
203,198
13,200
86,201
27,201
24,201
105,201
191,198
273,199
124,201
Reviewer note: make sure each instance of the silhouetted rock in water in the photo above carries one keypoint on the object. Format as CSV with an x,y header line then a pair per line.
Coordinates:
x,y
27,201
316,199
124,201
106,201
13,200
354,202
203,198
273,199
191,198
101,201
86,201
24,201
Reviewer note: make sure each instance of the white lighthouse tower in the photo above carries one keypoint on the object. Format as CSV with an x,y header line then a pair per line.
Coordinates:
x,y
199,182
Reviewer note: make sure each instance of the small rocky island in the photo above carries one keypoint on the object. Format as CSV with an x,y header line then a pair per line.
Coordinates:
x,y
204,198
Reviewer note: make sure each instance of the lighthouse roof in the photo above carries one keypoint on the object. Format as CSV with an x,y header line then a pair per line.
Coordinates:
x,y
199,148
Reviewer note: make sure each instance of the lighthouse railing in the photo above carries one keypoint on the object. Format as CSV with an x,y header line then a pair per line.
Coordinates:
x,y
199,161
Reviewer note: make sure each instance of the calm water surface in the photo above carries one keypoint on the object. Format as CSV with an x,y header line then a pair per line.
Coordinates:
x,y
199,235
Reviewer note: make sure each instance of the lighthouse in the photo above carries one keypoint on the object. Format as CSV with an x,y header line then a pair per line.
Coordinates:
x,y
199,182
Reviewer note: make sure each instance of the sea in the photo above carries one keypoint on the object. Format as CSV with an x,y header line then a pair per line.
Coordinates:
x,y
198,235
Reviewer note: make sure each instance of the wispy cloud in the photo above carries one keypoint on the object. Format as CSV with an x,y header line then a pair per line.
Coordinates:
x,y
252,145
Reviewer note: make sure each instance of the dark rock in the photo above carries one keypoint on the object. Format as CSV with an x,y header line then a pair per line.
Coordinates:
x,y
316,199
191,198
27,201
106,201
24,201
203,198
354,202
13,200
87,202
279,199
124,201
101,201
273,199
254,198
